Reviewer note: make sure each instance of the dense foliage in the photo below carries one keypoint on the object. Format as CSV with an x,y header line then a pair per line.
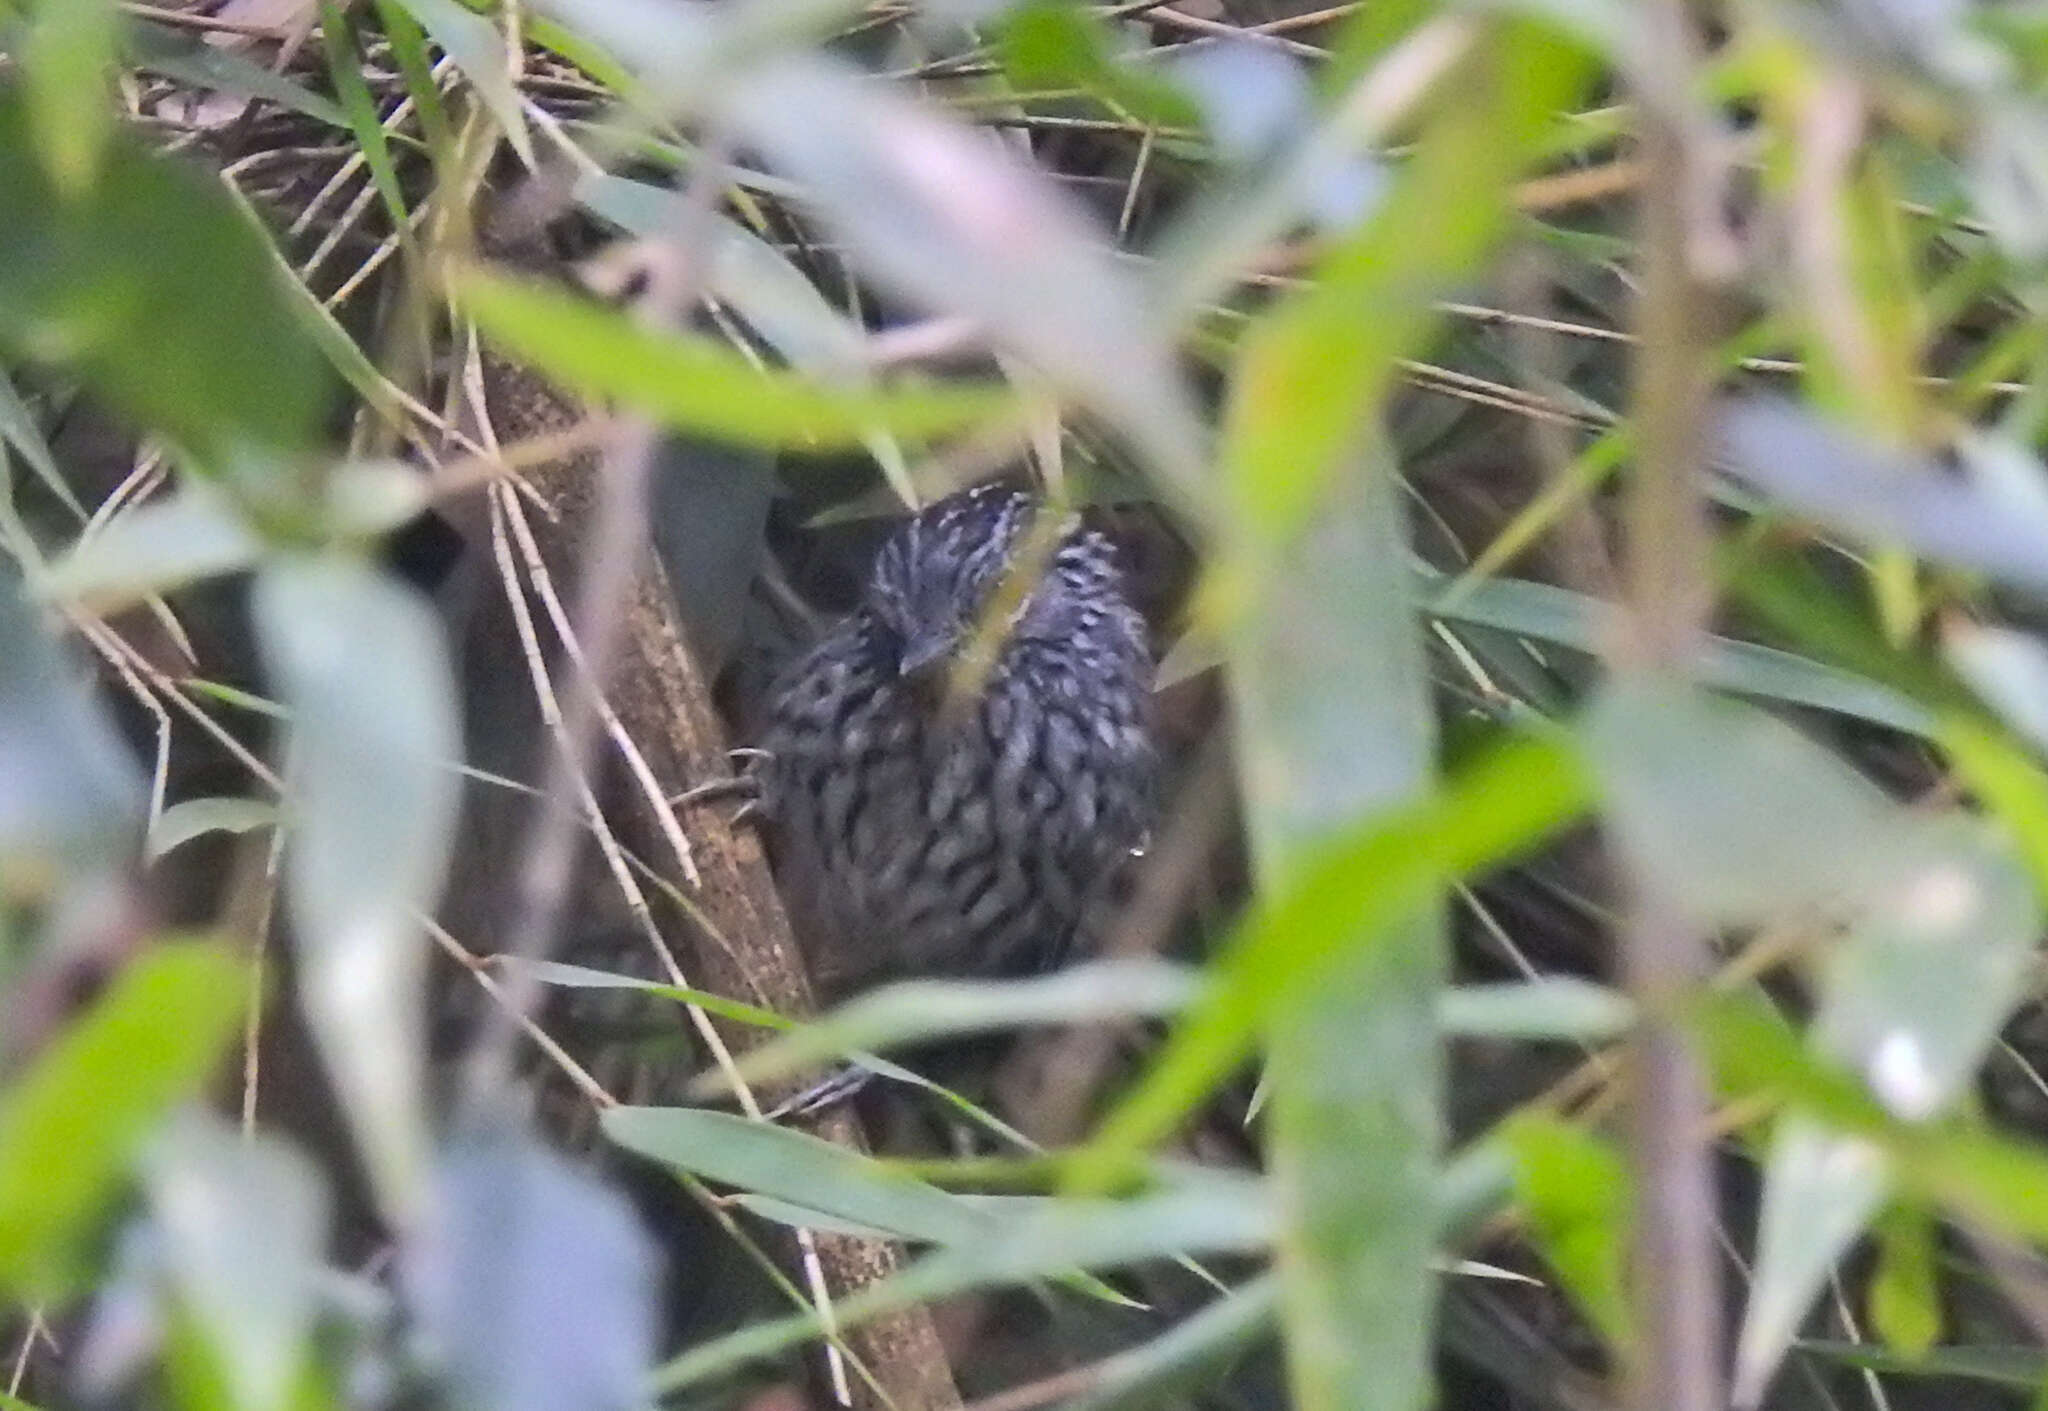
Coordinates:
x,y
1597,444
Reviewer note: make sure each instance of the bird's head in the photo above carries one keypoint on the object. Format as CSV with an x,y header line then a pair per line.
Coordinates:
x,y
938,581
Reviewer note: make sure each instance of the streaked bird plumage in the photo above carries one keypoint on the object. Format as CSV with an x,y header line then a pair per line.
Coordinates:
x,y
936,815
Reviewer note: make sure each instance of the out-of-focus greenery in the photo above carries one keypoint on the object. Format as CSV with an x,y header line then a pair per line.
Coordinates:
x,y
1353,293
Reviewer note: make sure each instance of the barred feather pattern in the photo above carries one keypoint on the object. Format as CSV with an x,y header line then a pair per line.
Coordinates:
x,y
972,837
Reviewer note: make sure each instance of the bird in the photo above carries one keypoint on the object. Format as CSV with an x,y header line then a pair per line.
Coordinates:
x,y
959,769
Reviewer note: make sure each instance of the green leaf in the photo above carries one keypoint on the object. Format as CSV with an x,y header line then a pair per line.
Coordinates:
x,y
1567,619
190,534
197,64
244,1225
961,225
71,1124
796,1167
65,63
1905,1299
344,67
194,818
1820,1189
1553,1007
1576,1191
474,46
693,383
920,1010
1334,723
1312,373
537,1285
361,662
1189,1357
133,282
1372,876
1050,1239
1734,813
1044,44
18,429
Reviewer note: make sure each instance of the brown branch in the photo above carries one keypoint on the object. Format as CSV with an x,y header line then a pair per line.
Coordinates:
x,y
663,701
1676,1260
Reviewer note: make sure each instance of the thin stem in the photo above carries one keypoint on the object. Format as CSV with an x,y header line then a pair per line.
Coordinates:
x,y
1678,1364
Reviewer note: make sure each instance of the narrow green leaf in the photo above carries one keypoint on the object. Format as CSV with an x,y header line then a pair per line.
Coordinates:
x,y
1905,1299
920,1010
1186,1358
1554,1007
1313,372
1053,1239
65,63
180,538
795,1167
474,45
1372,876
1576,1191
18,429
344,67
71,1124
194,818
694,383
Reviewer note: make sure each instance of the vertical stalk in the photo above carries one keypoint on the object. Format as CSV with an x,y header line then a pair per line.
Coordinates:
x,y
1678,1365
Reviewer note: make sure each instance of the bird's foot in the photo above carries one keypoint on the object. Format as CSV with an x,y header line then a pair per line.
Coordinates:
x,y
743,783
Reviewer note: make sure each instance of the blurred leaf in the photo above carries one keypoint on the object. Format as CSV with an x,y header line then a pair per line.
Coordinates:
x,y
1989,512
190,60
18,429
1819,1191
474,46
777,300
796,1167
65,63
1044,44
2007,669
1055,1238
1189,1357
180,538
1913,996
535,1285
1335,723
133,281
954,220
1226,226
361,662
1372,876
72,1122
1554,1007
1561,617
1313,372
1905,1299
69,789
1735,814
194,818
244,1223
1910,998
1564,618
373,143
919,1010
1576,1191
693,383
2003,1365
